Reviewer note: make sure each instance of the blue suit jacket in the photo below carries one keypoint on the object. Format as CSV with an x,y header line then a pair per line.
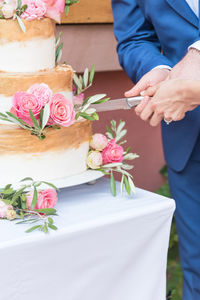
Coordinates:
x,y
143,28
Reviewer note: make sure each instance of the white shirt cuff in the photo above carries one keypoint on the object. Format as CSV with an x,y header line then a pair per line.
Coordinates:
x,y
196,45
163,67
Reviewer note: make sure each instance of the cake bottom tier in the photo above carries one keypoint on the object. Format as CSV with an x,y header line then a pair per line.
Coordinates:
x,y
62,153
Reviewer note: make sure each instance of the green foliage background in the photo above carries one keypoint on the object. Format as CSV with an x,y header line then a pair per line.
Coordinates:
x,y
174,273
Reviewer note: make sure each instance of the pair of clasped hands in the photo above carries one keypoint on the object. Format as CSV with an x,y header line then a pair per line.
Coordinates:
x,y
173,92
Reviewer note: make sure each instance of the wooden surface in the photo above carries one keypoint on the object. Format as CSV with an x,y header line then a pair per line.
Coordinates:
x,y
89,11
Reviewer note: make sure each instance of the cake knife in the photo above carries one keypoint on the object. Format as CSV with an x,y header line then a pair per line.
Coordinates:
x,y
117,104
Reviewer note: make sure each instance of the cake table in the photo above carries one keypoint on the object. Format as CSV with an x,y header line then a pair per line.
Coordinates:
x,y
106,248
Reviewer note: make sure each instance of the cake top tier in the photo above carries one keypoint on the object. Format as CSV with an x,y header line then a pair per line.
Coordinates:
x,y
31,51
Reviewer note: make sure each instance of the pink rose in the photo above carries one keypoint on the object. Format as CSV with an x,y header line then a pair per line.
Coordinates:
x,y
42,92
98,141
78,100
46,199
55,8
112,153
36,9
61,110
22,102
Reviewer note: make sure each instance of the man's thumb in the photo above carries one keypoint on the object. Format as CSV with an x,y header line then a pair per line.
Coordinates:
x,y
137,89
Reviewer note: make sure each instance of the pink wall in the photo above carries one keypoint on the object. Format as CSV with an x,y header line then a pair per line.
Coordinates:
x,y
88,44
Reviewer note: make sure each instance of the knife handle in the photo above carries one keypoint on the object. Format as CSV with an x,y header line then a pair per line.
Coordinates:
x,y
134,101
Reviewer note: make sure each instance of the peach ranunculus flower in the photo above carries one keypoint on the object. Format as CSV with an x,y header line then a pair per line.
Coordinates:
x,y
42,92
46,199
112,153
94,160
36,9
55,8
61,110
22,102
98,141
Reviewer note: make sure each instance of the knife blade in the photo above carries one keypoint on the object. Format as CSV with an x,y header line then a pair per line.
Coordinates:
x,y
117,104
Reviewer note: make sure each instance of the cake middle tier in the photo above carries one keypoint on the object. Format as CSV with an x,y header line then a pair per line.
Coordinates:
x,y
58,79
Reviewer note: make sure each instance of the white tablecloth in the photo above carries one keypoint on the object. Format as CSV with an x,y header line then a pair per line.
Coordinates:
x,y
106,248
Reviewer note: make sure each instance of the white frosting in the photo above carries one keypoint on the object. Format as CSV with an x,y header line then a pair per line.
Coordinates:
x,y
29,56
43,166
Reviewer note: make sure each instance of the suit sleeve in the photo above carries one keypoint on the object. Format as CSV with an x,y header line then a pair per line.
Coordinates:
x,y
138,47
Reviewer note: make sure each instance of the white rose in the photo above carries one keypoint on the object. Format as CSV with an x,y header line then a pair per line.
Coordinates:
x,y
8,11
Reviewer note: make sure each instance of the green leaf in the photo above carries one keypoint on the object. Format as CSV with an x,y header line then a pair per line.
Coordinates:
x,y
58,38
85,77
120,127
35,197
26,179
95,98
35,122
127,185
33,228
19,4
113,165
86,116
52,226
46,115
77,82
21,24
112,184
120,135
113,125
130,156
122,184
102,101
58,50
127,167
132,186
47,211
92,72
50,184
18,193
50,220
109,130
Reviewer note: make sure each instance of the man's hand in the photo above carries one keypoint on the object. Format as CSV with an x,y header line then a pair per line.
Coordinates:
x,y
188,67
148,80
171,100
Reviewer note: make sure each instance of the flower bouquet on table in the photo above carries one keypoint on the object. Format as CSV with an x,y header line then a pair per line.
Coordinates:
x,y
30,204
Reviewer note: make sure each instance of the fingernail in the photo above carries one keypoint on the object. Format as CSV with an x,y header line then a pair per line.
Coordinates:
x,y
142,93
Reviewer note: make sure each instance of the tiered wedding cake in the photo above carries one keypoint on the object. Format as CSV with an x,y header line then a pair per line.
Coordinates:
x,y
28,60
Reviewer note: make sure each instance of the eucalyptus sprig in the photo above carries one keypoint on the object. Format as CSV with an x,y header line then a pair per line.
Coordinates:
x,y
86,110
38,127
68,3
83,82
118,133
59,46
19,11
17,199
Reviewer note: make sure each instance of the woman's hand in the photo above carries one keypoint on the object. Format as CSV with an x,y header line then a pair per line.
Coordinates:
x,y
171,100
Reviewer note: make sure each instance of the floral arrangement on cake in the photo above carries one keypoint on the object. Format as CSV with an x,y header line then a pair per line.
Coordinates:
x,y
38,109
34,9
108,156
